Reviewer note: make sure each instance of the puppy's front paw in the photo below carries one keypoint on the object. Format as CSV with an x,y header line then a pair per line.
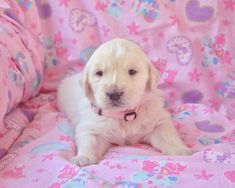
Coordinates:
x,y
84,160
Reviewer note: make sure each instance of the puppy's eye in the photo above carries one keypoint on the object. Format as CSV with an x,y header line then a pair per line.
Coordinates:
x,y
132,72
99,73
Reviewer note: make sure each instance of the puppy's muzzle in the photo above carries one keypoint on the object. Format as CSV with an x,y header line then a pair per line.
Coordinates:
x,y
114,96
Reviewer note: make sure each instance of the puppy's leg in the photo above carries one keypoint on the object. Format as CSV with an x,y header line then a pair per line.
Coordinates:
x,y
166,138
90,149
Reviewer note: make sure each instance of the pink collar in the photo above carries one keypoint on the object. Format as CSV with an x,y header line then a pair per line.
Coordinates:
x,y
128,115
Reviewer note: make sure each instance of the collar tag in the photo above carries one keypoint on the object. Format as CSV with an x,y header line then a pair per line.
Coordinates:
x,y
130,116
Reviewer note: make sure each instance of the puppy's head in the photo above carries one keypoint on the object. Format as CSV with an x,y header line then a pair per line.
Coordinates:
x,y
118,75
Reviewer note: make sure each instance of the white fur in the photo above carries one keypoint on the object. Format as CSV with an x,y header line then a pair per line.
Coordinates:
x,y
95,134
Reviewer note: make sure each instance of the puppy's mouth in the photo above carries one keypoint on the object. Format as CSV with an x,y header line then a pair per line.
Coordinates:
x,y
116,104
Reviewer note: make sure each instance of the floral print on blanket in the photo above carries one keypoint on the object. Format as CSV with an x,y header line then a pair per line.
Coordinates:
x,y
189,41
21,69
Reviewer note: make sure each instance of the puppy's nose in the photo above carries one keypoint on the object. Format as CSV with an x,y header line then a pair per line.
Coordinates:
x,y
114,96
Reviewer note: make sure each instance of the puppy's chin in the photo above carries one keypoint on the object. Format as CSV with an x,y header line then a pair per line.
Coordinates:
x,y
119,107
115,106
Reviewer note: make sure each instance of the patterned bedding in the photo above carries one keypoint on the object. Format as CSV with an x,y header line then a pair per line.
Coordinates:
x,y
191,42
21,68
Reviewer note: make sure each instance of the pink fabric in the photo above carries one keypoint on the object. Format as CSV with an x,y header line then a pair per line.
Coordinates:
x,y
190,42
21,67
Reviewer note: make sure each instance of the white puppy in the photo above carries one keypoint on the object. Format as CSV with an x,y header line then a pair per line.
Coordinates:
x,y
115,101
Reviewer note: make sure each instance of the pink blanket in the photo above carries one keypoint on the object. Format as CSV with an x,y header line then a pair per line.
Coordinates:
x,y
21,67
191,42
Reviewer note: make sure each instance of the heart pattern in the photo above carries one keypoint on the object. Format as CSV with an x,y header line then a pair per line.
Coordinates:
x,y
219,157
12,15
198,13
182,48
79,19
3,151
44,9
207,126
230,175
192,96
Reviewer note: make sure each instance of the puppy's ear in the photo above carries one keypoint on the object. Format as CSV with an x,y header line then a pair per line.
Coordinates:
x,y
84,82
153,78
